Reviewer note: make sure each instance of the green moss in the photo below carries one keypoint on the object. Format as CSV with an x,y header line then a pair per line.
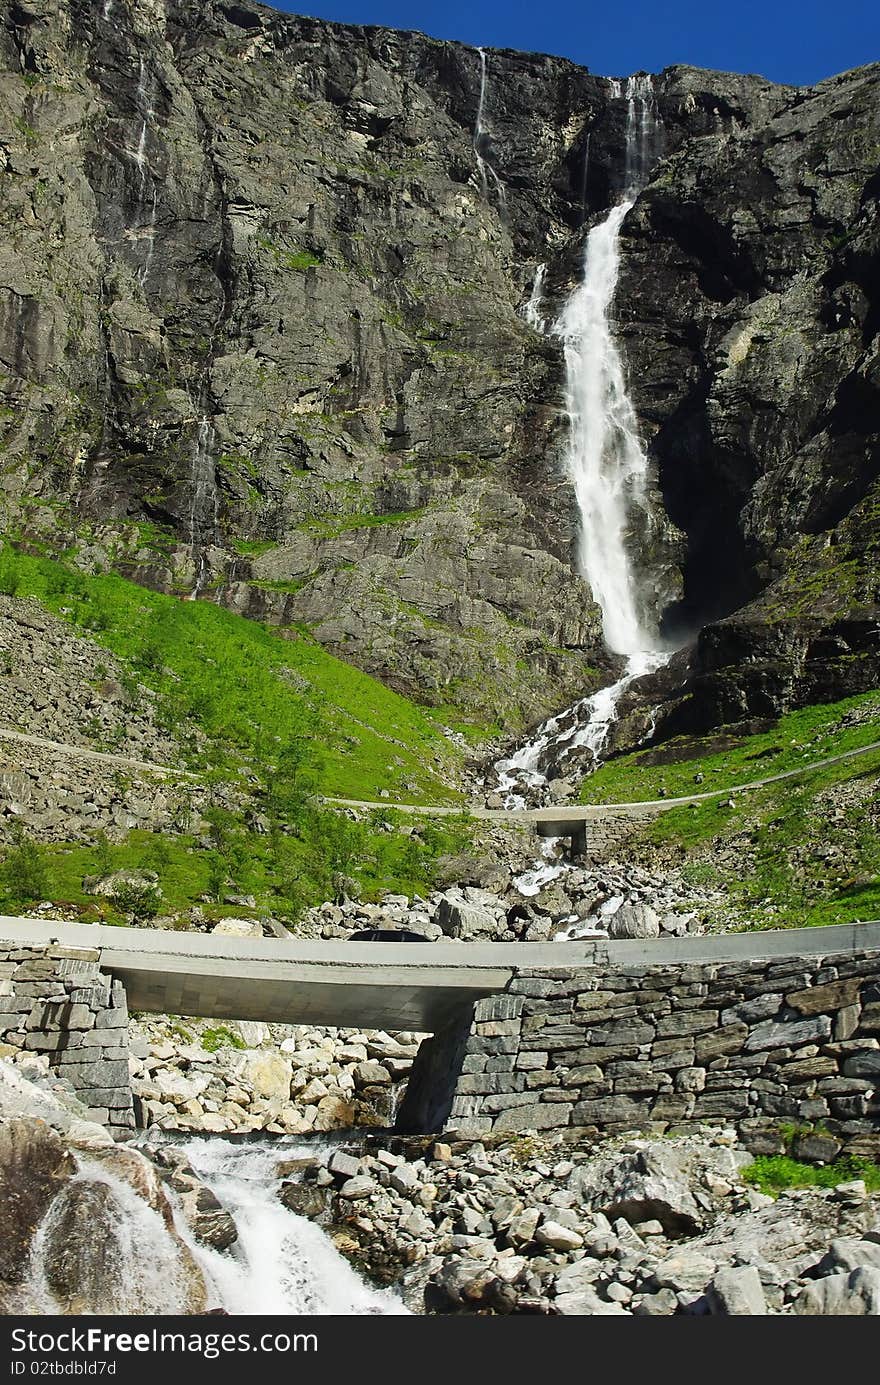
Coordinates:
x,y
296,260
300,261
221,1037
772,1173
253,548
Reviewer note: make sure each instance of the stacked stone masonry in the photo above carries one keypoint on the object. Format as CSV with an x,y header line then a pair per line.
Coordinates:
x,y
57,1001
784,1050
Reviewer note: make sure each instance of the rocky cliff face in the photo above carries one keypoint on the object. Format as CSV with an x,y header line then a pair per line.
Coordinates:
x,y
262,284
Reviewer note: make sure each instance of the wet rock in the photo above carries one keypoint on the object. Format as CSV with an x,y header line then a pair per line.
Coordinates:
x,y
305,1199
34,1166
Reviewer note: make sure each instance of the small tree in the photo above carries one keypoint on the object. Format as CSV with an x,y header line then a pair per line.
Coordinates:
x,y
24,871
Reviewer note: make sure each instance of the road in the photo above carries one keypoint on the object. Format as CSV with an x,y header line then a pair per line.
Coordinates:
x,y
563,813
583,812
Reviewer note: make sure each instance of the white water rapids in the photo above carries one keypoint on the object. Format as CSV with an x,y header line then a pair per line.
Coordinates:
x,y
609,471
281,1263
102,1248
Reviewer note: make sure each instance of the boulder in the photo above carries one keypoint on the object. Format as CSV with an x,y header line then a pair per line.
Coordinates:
x,y
856,1294
737,1292
634,921
646,1185
268,1074
558,1237
238,928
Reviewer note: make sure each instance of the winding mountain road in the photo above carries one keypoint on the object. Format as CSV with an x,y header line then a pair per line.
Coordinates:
x,y
562,813
583,812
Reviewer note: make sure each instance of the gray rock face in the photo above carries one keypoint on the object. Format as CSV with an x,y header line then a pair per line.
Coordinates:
x,y
257,304
842,1295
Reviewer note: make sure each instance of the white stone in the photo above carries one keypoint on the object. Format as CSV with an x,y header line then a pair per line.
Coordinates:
x,y
557,1237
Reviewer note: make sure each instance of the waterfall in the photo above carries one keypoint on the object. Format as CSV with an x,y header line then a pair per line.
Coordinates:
x,y
482,139
609,470
281,1263
203,503
140,1267
103,1248
604,459
532,309
145,212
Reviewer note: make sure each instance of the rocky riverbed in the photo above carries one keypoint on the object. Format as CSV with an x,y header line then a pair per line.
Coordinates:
x,y
631,1226
553,898
204,1076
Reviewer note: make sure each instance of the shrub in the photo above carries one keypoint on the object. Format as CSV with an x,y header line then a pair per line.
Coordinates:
x,y
137,901
24,872
221,1037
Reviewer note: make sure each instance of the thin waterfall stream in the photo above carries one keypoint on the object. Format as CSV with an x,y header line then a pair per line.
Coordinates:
x,y
482,139
147,203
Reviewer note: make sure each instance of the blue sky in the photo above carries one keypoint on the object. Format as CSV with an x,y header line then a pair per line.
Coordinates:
x,y
797,41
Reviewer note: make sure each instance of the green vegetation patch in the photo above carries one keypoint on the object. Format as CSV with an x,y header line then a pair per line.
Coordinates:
x,y
773,1173
786,856
220,1037
308,853
262,697
798,739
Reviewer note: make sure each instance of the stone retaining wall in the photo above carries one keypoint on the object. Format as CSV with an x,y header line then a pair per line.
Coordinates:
x,y
787,1048
606,835
56,1000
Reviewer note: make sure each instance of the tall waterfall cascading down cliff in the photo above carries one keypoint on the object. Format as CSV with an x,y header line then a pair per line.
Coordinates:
x,y
609,470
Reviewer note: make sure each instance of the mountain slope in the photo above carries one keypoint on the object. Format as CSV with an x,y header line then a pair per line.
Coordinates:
x,y
262,336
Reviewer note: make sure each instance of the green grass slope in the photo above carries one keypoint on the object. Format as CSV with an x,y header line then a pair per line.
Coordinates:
x,y
270,722
790,855
682,767
802,851
255,693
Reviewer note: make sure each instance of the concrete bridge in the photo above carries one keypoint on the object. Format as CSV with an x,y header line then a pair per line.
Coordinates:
x,y
593,1036
415,986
